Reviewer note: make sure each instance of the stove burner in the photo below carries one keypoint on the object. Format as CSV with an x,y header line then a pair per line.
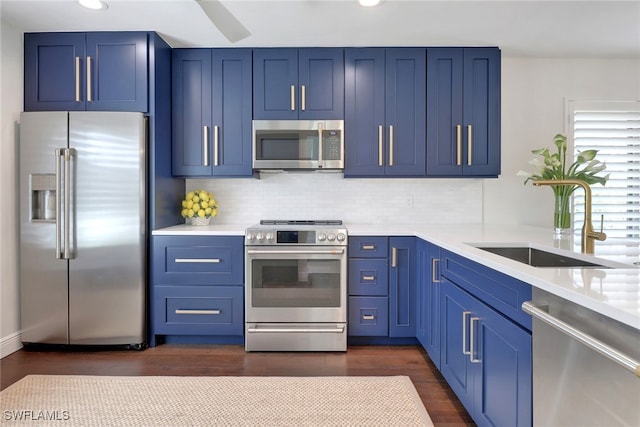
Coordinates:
x,y
300,222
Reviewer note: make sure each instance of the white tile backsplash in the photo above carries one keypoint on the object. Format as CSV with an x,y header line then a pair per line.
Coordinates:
x,y
330,195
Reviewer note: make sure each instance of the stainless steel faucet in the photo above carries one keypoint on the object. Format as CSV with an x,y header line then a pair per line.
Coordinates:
x,y
588,234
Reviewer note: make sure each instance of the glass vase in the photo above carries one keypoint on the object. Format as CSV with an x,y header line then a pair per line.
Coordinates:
x,y
562,210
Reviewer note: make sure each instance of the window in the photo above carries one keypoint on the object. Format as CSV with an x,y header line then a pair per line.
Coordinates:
x,y
612,128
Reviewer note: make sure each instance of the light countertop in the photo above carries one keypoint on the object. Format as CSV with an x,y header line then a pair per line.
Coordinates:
x,y
613,292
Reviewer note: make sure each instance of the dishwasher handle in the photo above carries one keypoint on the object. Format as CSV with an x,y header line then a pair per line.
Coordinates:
x,y
586,339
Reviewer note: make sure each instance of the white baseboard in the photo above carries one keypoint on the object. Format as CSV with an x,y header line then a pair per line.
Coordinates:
x,y
10,344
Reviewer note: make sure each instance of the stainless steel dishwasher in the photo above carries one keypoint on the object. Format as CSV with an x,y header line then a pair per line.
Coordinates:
x,y
585,366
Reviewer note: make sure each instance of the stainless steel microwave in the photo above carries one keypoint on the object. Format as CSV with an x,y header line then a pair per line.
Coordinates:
x,y
298,144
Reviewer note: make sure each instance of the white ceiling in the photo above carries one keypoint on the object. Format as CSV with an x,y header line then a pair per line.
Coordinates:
x,y
521,28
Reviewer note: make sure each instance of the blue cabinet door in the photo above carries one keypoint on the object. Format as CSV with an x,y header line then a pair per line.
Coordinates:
x,y
275,84
365,143
232,102
463,112
428,298
191,112
402,287
54,71
291,84
481,111
406,111
321,80
385,114
456,309
503,387
117,71
86,71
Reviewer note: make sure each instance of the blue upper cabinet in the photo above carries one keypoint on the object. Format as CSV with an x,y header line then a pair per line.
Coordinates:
x,y
463,112
211,108
291,84
385,110
86,71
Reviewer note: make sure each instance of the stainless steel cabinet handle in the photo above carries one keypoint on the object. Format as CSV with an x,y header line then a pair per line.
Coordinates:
x,y
89,94
78,99
368,317
293,98
368,278
464,333
205,145
458,145
368,247
394,257
181,311
390,145
320,144
303,100
472,340
216,148
604,349
198,260
469,144
380,154
69,153
434,266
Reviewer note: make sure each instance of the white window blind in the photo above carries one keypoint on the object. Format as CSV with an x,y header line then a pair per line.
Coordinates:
x,y
614,130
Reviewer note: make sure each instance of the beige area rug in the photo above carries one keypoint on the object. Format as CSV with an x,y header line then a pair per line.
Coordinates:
x,y
212,401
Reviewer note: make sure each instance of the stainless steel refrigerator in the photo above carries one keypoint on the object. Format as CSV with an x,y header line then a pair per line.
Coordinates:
x,y
83,228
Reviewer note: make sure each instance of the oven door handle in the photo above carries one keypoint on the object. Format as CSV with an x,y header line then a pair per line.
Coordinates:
x,y
295,251
336,330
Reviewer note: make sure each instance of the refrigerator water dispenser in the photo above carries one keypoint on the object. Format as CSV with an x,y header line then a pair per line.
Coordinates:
x,y
43,197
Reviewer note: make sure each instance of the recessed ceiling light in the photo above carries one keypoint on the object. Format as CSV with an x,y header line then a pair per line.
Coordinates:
x,y
93,4
369,2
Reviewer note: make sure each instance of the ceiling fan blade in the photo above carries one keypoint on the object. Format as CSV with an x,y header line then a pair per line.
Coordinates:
x,y
224,20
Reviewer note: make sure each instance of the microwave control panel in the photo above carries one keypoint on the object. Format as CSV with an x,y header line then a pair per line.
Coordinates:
x,y
331,145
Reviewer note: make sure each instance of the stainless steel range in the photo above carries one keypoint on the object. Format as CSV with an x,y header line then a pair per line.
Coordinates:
x,y
296,286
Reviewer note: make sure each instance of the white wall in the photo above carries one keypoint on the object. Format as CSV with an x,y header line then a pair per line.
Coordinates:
x,y
10,107
533,98
534,95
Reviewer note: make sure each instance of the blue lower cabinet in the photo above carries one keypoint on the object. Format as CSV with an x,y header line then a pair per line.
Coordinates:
x,y
198,310
368,316
486,359
402,287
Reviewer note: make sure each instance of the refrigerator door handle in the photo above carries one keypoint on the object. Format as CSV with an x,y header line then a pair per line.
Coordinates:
x,y
59,154
64,197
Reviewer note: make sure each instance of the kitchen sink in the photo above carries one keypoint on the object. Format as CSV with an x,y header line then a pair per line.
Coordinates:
x,y
540,258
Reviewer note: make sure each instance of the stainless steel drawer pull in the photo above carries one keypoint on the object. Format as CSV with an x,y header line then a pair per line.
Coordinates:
x,y
368,247
368,317
368,278
198,260
180,311
591,342
296,251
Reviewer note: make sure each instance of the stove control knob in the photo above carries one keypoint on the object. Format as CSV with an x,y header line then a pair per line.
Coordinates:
x,y
341,237
322,237
269,236
331,237
260,236
250,236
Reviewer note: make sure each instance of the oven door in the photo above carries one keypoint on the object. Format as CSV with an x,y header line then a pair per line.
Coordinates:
x,y
296,284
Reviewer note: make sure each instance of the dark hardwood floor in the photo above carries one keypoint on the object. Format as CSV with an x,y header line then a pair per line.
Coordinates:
x,y
191,360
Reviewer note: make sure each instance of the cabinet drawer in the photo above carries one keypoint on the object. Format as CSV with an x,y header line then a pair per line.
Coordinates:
x,y
503,293
368,277
368,247
198,310
368,316
198,260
